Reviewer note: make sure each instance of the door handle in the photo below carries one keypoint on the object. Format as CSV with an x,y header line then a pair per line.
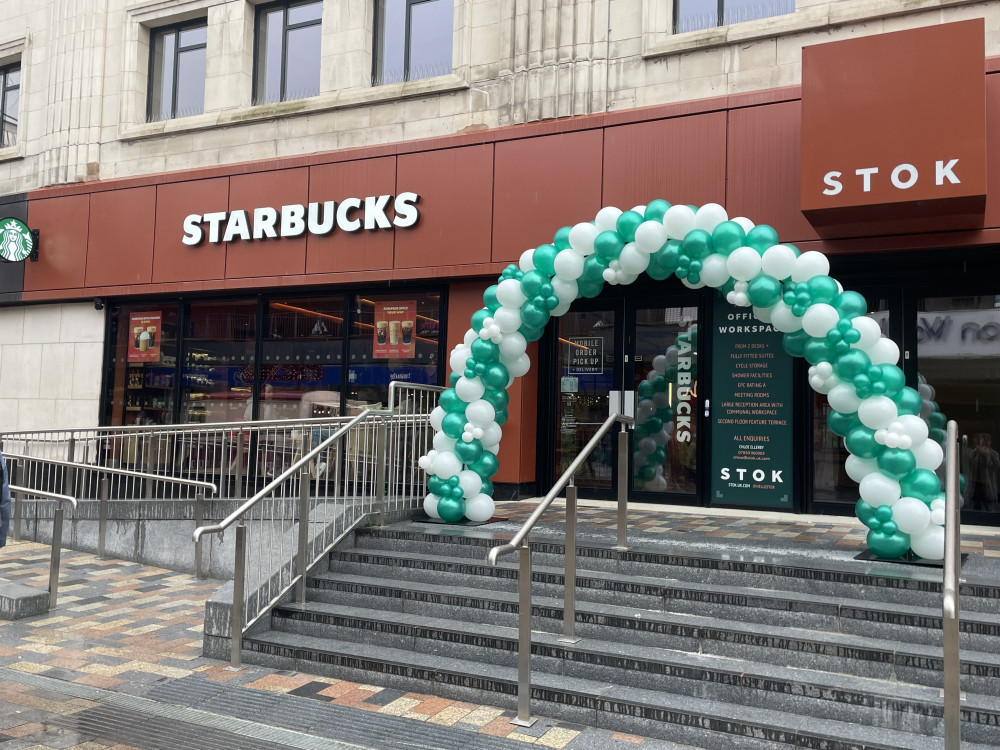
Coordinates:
x,y
708,405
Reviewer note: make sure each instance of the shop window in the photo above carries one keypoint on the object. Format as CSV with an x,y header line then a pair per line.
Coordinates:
x,y
301,358
692,15
958,354
393,337
10,86
287,57
413,40
142,364
177,71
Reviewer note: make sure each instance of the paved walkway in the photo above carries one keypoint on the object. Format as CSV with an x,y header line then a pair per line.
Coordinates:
x,y
119,660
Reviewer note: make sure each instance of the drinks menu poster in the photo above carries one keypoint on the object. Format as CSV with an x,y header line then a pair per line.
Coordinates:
x,y
393,337
145,332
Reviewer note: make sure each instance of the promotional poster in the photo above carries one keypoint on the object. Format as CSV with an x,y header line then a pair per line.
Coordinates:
x,y
144,338
394,336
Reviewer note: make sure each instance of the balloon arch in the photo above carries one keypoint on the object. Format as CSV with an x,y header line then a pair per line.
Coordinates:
x,y
893,432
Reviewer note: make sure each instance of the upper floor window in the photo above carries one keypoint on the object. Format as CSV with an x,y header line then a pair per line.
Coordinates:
x,y
10,94
692,15
412,40
287,59
177,71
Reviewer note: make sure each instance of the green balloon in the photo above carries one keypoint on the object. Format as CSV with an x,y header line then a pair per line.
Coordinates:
x,y
435,485
795,343
851,363
864,511
486,466
667,257
888,546
543,258
645,389
495,376
490,298
920,483
453,378
816,351
468,452
487,488
728,236
889,528
697,244
937,420
908,400
850,304
860,441
608,245
531,334
485,351
657,457
764,291
532,281
478,317
594,267
883,513
936,434
561,239
501,417
450,402
894,380
453,424
656,209
841,424
646,473
498,398
761,237
451,509
896,462
590,289
532,316
654,425
626,225
822,289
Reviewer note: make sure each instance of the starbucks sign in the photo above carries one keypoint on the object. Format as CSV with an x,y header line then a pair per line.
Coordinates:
x,y
16,241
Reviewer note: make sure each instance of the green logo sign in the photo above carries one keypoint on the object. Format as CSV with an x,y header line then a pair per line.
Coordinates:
x,y
16,242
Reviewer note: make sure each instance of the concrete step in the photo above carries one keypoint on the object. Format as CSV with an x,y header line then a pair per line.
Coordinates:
x,y
808,692
842,653
672,559
703,722
980,631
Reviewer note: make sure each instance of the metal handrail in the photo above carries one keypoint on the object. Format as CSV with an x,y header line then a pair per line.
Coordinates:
x,y
181,427
519,543
57,523
950,601
114,470
396,385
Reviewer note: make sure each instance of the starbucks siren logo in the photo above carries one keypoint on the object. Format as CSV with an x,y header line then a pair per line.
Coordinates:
x,y
16,242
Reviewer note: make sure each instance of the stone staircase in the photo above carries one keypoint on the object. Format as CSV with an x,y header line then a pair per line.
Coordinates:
x,y
739,651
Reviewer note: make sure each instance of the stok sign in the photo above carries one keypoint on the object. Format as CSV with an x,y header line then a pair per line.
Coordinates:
x,y
294,220
902,177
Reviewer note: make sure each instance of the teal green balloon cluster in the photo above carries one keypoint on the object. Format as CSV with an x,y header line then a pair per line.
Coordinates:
x,y
883,422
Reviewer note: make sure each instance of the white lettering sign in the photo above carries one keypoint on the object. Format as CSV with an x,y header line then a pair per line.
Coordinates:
x,y
903,177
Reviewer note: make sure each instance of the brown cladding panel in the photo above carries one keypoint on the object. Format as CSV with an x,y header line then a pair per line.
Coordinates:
x,y
542,184
267,257
993,152
62,243
456,201
764,170
172,259
364,249
120,241
681,160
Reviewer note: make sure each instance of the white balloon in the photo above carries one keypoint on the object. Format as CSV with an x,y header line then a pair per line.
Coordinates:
x,y
929,455
858,468
658,484
632,259
809,264
564,289
447,465
646,446
443,443
513,345
877,412
661,400
519,366
508,318
509,293
436,417
714,270
678,221
778,261
491,435
607,218
470,482
929,543
582,236
470,336
819,319
650,236
660,363
609,275
480,413
844,398
709,216
645,410
458,358
911,515
743,263
937,516
561,309
784,319
470,390
671,355
568,264
641,210
884,352
877,489
763,314
926,391
431,505
479,509
914,427
691,284
526,263
626,278
869,330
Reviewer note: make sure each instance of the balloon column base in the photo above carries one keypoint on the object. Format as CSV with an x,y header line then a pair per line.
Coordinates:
x,y
463,522
908,559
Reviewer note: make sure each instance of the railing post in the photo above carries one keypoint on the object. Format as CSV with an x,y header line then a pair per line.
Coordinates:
x,y
57,525
102,519
239,579
300,585
523,718
69,478
569,579
623,455
199,521
380,461
950,603
18,513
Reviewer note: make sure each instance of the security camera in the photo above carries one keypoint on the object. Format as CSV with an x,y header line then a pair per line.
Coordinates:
x,y
98,303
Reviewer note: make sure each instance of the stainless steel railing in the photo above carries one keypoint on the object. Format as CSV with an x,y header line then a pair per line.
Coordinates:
x,y
950,603
410,438
55,556
519,543
73,477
